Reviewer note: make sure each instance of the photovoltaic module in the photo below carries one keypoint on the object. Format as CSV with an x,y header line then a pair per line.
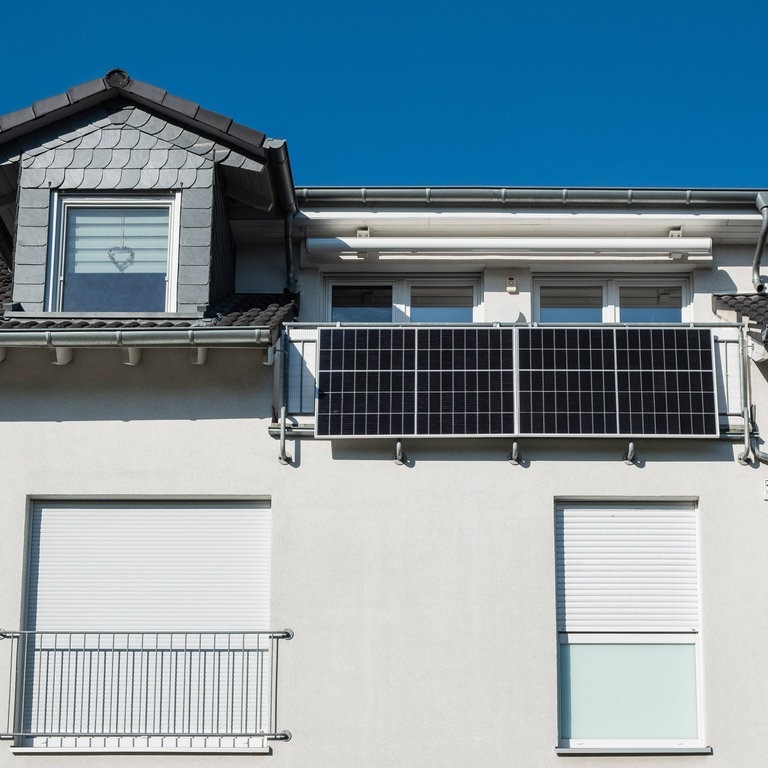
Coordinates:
x,y
514,381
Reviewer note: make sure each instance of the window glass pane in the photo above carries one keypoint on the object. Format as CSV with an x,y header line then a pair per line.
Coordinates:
x,y
568,304
442,304
650,304
628,691
115,259
361,304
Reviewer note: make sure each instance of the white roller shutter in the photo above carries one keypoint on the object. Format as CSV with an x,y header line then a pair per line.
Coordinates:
x,y
626,567
145,621
133,566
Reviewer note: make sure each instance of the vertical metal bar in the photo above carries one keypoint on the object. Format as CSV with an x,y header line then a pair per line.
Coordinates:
x,y
273,717
184,707
90,706
230,685
245,666
202,671
100,678
110,698
144,682
156,686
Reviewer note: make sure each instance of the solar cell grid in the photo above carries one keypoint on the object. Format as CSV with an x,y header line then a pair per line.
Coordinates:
x,y
415,381
567,384
464,381
666,381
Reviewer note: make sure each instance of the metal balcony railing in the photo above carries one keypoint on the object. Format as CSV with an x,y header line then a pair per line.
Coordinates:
x,y
141,689
299,386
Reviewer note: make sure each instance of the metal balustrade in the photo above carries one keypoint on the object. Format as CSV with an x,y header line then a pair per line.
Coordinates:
x,y
300,363
178,689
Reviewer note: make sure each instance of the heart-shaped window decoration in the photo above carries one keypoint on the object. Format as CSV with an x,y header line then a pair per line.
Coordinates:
x,y
121,256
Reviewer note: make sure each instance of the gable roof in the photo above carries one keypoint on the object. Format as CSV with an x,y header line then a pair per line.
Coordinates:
x,y
118,83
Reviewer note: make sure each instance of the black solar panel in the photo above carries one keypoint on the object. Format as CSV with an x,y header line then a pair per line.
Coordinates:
x,y
618,381
567,381
415,381
665,381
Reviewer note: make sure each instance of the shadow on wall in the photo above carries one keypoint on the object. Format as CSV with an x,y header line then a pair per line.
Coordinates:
x,y
165,385
535,450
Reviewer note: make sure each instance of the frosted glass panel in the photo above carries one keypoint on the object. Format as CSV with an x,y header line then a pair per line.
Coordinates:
x,y
628,691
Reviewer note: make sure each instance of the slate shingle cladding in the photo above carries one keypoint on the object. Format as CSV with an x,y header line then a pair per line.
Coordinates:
x,y
119,136
123,149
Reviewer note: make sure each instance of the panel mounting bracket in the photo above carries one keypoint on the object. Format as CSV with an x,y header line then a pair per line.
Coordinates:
x,y
629,456
515,457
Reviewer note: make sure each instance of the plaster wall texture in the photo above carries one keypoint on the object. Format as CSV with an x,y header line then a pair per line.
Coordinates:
x,y
422,596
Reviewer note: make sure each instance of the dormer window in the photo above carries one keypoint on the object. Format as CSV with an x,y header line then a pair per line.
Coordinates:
x,y
114,254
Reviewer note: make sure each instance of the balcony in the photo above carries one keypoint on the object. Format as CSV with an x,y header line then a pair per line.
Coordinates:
x,y
141,690
681,381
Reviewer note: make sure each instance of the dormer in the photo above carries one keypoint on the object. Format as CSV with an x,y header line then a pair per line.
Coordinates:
x,y
116,199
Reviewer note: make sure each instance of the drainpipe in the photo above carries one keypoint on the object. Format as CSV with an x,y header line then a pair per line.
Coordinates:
x,y
762,204
280,165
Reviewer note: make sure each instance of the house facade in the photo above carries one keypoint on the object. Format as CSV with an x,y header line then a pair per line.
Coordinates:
x,y
369,476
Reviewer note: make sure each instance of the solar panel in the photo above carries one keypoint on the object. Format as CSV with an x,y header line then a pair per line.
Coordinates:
x,y
567,381
665,381
437,381
415,381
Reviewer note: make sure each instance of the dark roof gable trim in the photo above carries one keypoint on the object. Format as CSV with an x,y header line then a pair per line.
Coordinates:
x,y
116,83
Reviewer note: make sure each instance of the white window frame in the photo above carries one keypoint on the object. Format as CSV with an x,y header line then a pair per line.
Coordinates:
x,y
401,291
611,290
62,203
606,635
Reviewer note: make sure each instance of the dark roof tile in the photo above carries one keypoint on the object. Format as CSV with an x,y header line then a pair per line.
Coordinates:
x,y
82,91
44,106
751,305
182,106
145,90
12,119
245,133
214,119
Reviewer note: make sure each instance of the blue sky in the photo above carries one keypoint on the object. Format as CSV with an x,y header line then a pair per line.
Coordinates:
x,y
556,93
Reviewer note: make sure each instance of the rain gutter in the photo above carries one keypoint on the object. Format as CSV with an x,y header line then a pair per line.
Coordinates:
x,y
528,196
137,337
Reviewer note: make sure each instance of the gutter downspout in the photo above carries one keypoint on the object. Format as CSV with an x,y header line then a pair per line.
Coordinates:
x,y
743,457
761,201
280,165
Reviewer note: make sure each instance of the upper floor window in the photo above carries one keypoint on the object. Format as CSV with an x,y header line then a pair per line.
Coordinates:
x,y
635,300
453,301
114,254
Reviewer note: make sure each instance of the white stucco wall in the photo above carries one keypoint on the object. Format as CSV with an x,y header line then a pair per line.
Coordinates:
x,y
422,596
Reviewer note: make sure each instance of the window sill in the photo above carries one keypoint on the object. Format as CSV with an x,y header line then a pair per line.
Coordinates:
x,y
618,751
